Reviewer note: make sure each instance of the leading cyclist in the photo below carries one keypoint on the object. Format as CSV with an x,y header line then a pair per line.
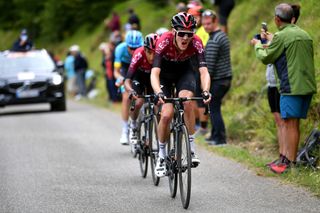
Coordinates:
x,y
172,69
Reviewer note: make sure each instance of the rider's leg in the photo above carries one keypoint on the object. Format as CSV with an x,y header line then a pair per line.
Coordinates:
x,y
189,116
125,116
163,127
135,113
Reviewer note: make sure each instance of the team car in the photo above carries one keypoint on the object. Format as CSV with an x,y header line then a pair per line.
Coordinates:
x,y
31,77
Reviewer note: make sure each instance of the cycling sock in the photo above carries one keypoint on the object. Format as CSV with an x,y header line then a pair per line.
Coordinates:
x,y
162,150
192,144
125,126
134,123
204,124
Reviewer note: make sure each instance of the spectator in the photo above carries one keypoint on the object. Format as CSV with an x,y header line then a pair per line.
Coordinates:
x,y
291,50
161,30
225,8
71,74
194,3
273,92
219,66
134,20
181,7
201,118
80,67
114,24
107,50
23,43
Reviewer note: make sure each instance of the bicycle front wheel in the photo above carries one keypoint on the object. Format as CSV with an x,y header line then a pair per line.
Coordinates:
x,y
172,173
153,147
184,165
142,149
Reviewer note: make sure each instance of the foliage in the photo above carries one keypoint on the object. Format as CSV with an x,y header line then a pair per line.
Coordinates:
x,y
52,20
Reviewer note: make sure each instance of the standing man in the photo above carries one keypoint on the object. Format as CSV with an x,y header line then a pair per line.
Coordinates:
x,y
23,43
291,50
80,67
219,66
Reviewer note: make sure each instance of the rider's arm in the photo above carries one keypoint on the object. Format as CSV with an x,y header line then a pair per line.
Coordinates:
x,y
116,70
127,85
205,78
117,61
155,79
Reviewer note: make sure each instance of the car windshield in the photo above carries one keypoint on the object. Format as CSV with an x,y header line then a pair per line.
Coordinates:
x,y
23,62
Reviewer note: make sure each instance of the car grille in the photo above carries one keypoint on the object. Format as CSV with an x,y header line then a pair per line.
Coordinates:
x,y
40,85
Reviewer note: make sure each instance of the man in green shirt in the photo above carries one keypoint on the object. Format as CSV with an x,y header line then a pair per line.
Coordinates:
x,y
291,51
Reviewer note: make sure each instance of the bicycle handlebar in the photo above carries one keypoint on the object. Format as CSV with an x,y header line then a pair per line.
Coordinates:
x,y
183,99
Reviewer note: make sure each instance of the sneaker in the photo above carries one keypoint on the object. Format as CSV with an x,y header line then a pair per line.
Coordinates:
x,y
201,131
124,139
160,169
275,162
194,159
280,168
133,136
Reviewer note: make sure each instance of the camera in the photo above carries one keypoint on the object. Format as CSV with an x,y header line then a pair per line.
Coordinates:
x,y
258,36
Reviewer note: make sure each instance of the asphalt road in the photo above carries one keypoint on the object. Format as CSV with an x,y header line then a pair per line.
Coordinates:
x,y
73,162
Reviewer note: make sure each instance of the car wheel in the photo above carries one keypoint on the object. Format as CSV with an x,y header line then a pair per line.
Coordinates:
x,y
58,105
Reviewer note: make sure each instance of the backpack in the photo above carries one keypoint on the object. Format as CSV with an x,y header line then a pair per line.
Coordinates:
x,y
309,154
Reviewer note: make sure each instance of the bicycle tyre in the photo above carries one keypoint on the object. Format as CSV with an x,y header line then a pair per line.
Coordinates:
x,y
308,153
312,152
153,148
184,165
172,173
142,148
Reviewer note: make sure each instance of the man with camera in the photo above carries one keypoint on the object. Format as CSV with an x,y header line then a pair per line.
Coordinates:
x,y
291,51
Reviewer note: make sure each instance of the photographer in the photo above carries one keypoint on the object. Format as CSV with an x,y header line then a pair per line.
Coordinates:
x,y
291,50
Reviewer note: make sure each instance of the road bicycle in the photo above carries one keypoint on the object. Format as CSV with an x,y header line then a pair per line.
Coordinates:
x,y
178,161
309,154
147,143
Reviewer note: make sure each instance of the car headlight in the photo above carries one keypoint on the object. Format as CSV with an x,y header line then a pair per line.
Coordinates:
x,y
56,79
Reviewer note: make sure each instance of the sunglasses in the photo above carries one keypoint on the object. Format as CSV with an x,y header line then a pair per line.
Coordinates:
x,y
209,13
182,34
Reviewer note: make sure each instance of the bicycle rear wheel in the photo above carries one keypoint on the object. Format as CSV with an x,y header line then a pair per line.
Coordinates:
x,y
153,147
172,173
184,165
142,149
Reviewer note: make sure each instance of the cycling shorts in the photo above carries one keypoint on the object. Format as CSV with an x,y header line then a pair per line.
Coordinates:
x,y
177,75
274,99
141,83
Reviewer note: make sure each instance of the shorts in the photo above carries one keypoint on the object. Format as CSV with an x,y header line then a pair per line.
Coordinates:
x,y
141,83
294,106
124,69
274,99
72,85
177,75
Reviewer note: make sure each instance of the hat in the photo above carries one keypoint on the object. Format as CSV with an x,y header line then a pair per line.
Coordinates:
x,y
102,46
74,48
195,11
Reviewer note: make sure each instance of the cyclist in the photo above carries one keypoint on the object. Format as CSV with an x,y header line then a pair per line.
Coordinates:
x,y
138,76
123,54
172,69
